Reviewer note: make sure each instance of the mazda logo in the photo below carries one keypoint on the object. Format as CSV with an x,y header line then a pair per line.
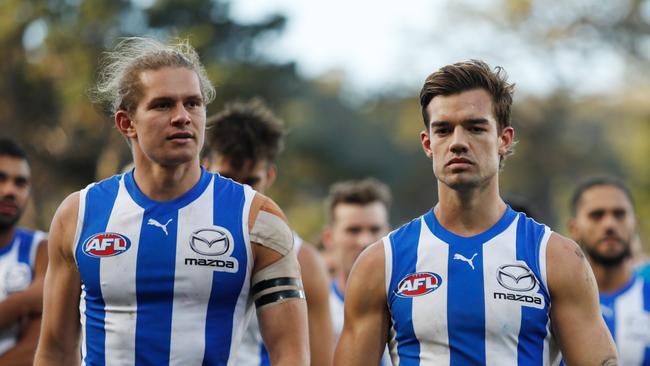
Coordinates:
x,y
516,277
213,242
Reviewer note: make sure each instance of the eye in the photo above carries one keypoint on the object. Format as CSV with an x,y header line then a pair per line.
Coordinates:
x,y
162,105
476,129
442,130
596,215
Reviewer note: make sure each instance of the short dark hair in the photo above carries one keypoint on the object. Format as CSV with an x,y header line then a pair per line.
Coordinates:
x,y
361,192
591,182
9,147
245,131
468,75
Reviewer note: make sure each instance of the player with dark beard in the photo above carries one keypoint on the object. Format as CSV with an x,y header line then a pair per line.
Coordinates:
x,y
603,223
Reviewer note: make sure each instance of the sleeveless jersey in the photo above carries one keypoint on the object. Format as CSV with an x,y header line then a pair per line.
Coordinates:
x,y
627,315
16,272
163,283
480,300
252,351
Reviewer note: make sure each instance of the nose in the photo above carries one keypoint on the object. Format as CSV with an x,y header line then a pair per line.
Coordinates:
x,y
365,238
458,141
181,116
7,189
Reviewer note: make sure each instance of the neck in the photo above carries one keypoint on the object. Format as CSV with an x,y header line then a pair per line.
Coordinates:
x,y
164,183
340,280
469,212
610,279
6,236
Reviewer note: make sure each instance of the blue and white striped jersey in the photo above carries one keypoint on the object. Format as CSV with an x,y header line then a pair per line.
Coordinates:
x,y
480,300
627,315
163,283
16,272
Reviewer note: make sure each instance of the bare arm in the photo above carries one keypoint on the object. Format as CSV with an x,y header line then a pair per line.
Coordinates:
x,y
59,341
23,352
366,323
575,311
315,280
29,301
282,320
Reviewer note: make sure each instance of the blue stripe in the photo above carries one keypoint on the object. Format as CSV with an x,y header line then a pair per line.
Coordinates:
x,y
404,244
155,270
264,356
226,287
532,332
99,204
646,308
26,242
466,305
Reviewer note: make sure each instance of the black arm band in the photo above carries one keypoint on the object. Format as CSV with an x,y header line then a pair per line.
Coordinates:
x,y
279,296
274,282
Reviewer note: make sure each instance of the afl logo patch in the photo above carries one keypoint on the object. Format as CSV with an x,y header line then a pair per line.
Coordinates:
x,y
106,245
418,284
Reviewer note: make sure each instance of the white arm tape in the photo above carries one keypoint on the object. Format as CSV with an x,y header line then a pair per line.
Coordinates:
x,y
278,282
272,232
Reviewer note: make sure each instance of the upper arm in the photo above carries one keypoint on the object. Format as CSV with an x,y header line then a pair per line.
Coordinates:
x,y
276,287
366,323
316,282
60,329
575,311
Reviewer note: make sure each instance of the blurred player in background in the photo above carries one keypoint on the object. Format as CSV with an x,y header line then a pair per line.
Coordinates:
x,y
23,261
603,222
243,143
357,216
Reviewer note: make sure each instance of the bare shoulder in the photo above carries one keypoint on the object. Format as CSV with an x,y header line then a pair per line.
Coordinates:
x,y
567,266
308,256
64,225
368,271
262,203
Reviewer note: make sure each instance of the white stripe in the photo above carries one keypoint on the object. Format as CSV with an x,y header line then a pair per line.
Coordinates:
x,y
191,291
36,240
428,324
632,321
388,264
243,308
502,318
80,220
82,300
542,257
117,278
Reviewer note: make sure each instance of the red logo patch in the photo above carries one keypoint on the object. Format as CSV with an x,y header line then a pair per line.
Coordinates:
x,y
106,245
418,284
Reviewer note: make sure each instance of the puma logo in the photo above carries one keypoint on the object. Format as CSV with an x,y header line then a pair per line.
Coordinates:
x,y
157,224
462,258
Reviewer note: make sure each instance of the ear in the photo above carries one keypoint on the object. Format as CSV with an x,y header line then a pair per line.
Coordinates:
x,y
205,163
125,124
573,228
506,139
326,237
271,174
425,140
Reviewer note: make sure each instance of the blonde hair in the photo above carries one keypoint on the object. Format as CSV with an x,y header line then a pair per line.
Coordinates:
x,y
118,86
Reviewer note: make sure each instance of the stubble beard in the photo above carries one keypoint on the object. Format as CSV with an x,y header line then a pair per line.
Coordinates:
x,y
608,261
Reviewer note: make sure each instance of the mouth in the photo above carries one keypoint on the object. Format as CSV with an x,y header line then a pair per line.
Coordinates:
x,y
180,136
8,208
459,161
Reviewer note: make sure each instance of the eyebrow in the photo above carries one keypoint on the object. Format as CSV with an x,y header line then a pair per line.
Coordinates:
x,y
195,97
471,121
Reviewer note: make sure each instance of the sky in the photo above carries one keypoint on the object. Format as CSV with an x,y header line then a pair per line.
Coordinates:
x,y
378,45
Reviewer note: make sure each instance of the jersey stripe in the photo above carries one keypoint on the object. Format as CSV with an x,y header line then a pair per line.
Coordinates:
x,y
226,287
119,322
101,201
408,346
530,350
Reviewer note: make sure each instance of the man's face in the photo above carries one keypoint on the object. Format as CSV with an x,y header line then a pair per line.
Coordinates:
x,y
14,190
604,224
259,175
168,124
353,228
462,139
